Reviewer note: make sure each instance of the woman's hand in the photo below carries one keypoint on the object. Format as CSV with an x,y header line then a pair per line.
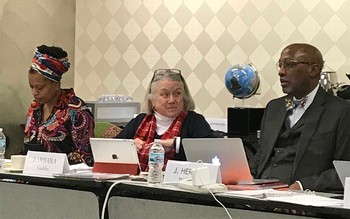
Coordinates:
x,y
139,144
167,144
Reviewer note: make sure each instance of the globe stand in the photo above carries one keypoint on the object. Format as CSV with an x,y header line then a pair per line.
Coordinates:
x,y
241,103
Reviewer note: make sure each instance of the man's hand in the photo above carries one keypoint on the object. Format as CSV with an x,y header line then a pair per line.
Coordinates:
x,y
295,186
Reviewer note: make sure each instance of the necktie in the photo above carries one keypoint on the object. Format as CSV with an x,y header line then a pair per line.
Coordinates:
x,y
291,104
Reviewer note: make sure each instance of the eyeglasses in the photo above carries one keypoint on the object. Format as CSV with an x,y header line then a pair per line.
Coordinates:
x,y
163,71
289,64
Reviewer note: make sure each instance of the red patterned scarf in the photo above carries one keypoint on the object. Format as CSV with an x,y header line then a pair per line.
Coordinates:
x,y
146,132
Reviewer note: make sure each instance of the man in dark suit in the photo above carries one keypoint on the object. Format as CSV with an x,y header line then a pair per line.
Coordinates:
x,y
304,131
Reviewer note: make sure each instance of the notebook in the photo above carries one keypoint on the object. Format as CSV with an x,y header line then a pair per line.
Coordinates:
x,y
343,169
114,155
233,161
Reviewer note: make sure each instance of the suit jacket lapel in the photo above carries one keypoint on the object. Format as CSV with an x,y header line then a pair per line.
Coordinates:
x,y
314,113
274,129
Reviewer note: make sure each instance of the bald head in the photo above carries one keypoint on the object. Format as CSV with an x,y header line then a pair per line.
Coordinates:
x,y
306,52
300,68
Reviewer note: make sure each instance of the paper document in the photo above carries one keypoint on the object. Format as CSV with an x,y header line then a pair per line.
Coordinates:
x,y
91,176
308,199
260,194
295,197
79,167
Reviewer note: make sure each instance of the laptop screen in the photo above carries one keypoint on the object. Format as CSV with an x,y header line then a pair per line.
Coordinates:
x,y
343,169
230,152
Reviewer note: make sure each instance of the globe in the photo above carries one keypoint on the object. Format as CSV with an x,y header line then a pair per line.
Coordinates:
x,y
242,80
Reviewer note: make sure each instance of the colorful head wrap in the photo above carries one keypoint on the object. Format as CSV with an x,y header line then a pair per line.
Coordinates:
x,y
50,67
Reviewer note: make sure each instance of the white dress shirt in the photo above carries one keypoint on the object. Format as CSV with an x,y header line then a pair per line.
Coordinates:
x,y
299,111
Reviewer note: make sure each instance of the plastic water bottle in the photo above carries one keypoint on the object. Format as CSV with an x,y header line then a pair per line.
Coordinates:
x,y
155,163
2,149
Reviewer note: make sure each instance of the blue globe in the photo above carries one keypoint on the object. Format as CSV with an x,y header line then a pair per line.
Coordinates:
x,y
242,80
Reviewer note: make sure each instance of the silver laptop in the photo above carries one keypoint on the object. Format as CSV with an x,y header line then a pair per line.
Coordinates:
x,y
111,150
230,152
343,169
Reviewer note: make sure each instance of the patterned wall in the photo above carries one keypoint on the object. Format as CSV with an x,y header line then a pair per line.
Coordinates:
x,y
25,24
119,44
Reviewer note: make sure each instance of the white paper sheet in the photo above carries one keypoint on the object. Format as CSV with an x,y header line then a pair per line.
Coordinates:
x,y
295,197
308,199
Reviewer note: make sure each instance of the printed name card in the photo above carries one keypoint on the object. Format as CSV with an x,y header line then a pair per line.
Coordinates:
x,y
45,163
179,170
347,193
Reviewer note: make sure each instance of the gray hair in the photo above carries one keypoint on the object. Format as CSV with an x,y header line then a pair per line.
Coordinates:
x,y
168,74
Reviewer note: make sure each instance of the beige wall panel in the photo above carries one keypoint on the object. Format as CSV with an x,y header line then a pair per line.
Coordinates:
x,y
120,43
25,24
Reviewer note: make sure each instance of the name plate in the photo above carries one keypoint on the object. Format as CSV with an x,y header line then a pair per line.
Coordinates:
x,y
179,170
347,193
45,163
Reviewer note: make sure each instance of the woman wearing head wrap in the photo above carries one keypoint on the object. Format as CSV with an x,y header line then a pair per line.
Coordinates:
x,y
169,117
57,120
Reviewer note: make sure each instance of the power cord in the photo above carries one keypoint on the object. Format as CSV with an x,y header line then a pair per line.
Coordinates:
x,y
106,198
108,193
212,194
228,213
200,178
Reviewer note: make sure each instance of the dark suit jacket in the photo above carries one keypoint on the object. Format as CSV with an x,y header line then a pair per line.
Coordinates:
x,y
325,137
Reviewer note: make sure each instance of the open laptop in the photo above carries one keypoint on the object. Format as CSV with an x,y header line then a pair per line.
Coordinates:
x,y
343,169
114,155
230,151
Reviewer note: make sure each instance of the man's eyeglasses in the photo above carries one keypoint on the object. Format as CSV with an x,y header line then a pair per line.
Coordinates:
x,y
289,64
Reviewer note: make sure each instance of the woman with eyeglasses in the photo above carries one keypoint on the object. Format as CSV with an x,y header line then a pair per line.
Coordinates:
x,y
57,120
169,116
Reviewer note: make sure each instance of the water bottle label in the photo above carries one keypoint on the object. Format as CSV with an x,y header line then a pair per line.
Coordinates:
x,y
2,144
156,158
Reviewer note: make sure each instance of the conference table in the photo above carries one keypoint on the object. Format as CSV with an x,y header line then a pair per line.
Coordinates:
x,y
25,196
28,196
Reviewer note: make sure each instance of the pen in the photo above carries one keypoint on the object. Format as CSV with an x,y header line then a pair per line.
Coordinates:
x,y
276,194
286,193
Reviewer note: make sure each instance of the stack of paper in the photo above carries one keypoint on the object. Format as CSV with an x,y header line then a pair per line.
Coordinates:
x,y
295,197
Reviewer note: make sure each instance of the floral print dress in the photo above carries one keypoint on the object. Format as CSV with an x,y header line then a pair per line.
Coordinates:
x,y
67,130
